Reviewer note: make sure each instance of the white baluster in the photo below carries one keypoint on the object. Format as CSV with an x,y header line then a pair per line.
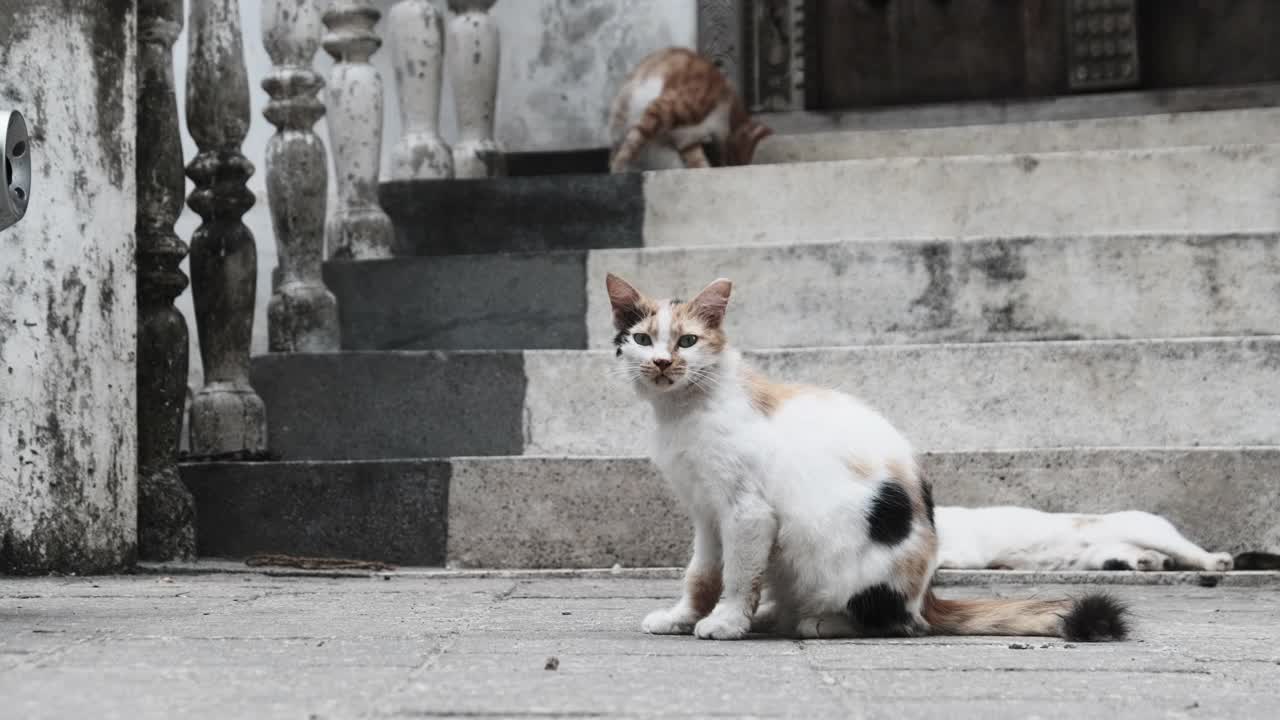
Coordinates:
x,y
359,229
303,314
227,416
417,44
473,56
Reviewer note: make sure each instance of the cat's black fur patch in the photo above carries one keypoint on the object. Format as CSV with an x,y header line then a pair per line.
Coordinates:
x,y
1114,564
880,610
1095,618
889,518
927,488
626,318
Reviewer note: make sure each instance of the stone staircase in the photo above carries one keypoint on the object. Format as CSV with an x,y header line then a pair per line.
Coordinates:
x,y
1086,317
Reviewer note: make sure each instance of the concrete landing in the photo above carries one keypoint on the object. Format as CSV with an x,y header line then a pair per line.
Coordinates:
x,y
221,646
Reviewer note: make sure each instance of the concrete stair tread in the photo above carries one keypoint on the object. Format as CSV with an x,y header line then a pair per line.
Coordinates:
x,y
943,578
1164,130
1189,189
530,512
1061,108
842,293
949,396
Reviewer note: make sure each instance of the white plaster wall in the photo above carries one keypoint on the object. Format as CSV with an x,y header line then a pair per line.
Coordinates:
x,y
561,60
68,482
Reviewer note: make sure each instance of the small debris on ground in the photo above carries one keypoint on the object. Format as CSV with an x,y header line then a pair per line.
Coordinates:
x,y
317,563
565,612
553,663
1019,646
1069,645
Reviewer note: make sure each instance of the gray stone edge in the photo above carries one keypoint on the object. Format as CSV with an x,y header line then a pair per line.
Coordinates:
x,y
944,578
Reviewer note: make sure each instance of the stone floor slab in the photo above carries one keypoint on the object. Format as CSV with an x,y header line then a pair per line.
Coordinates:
x,y
404,645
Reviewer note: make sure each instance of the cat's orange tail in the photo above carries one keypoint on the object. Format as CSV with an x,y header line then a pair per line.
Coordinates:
x,y
1092,618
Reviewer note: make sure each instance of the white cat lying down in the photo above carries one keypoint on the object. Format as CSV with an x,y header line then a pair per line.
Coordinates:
x,y
1018,538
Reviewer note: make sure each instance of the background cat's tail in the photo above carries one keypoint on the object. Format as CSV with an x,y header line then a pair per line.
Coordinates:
x,y
1092,618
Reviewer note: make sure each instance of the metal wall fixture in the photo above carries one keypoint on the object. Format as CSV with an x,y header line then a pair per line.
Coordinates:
x,y
17,167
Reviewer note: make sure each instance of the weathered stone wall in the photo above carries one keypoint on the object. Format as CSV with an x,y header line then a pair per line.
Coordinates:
x,y
67,304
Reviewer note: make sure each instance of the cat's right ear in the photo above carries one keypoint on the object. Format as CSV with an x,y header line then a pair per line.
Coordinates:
x,y
711,303
626,302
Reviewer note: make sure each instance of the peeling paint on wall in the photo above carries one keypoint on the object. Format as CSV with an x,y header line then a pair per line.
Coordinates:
x,y
67,294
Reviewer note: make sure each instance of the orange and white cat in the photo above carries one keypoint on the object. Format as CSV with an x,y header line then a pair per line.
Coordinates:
x,y
674,102
801,494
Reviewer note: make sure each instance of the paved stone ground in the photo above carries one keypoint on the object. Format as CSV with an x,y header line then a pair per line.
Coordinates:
x,y
253,645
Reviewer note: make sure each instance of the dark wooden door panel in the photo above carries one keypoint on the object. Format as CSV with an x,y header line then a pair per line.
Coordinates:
x,y
878,52
1209,42
858,54
959,49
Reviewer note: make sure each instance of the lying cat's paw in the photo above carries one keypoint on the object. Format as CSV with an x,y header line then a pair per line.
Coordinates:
x,y
1218,562
668,622
723,626
1150,560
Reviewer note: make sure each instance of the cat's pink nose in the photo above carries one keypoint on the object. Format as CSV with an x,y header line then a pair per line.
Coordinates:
x,y
661,363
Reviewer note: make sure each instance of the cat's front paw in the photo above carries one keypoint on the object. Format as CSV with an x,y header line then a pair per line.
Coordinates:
x,y
1218,562
727,625
668,622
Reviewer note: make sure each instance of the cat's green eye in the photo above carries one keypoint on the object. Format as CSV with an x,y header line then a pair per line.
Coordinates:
x,y
642,339
687,341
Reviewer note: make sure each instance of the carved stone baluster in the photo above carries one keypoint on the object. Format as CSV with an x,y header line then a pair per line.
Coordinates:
x,y
302,315
473,55
417,43
166,511
227,416
359,229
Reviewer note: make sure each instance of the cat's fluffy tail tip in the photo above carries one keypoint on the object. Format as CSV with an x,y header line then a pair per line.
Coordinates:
x,y
1097,617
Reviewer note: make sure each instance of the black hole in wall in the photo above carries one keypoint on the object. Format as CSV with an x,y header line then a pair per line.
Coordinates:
x,y
19,192
19,149
8,172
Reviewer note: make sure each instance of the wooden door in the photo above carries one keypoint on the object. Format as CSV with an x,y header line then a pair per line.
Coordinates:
x,y
889,52
1209,42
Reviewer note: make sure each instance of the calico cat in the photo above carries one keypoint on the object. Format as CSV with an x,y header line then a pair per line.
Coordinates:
x,y
678,100
801,493
1018,538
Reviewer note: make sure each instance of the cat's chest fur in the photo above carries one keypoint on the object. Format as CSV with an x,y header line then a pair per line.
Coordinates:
x,y
711,455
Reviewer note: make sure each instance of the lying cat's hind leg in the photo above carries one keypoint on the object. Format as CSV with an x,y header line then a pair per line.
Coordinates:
x,y
1123,556
1153,532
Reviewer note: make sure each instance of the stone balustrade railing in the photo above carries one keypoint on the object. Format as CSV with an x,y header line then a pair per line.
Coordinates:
x,y
226,417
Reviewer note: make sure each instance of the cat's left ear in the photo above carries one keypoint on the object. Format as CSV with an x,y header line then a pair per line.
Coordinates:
x,y
711,303
626,302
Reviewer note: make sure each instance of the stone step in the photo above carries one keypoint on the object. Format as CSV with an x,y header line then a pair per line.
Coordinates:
x,y
883,292
1059,108
1193,190
1184,190
1224,127
370,405
525,512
